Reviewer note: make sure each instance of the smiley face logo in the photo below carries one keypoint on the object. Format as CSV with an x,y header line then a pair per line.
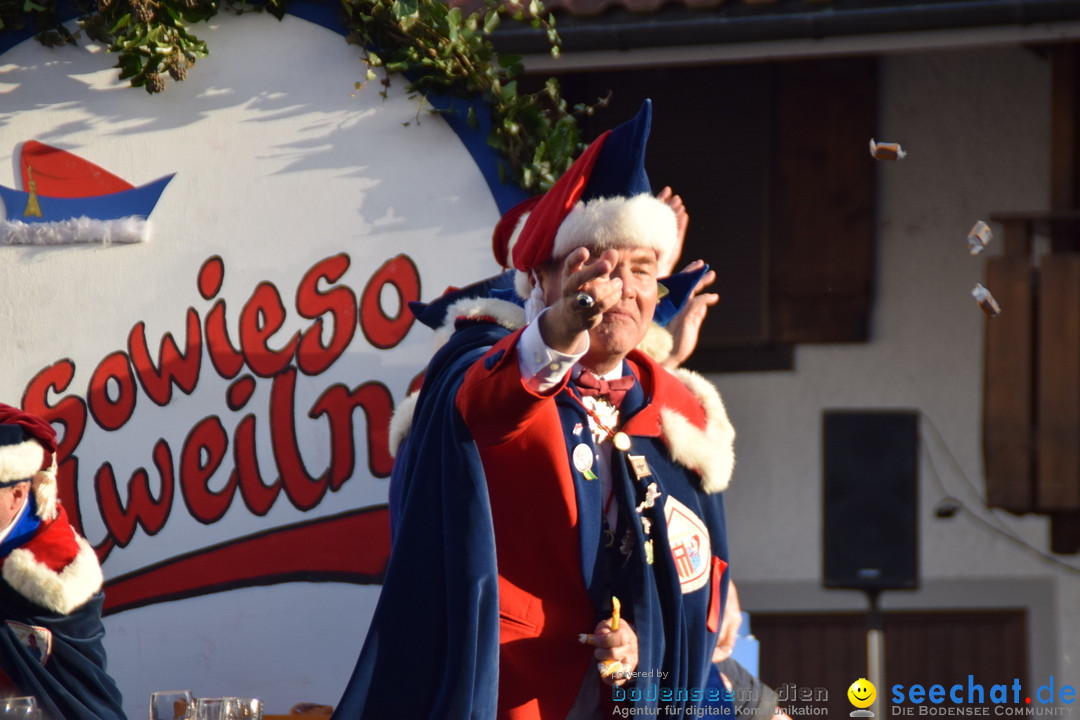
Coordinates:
x,y
862,693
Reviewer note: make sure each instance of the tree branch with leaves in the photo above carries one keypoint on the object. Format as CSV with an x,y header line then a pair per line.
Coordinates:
x,y
433,46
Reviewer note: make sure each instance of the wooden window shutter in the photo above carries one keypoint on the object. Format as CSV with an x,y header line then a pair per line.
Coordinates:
x,y
822,222
773,162
1031,379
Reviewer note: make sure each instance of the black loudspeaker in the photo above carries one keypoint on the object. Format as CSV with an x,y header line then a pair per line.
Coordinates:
x,y
870,465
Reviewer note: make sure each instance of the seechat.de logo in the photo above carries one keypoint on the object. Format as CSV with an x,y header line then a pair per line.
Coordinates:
x,y
973,699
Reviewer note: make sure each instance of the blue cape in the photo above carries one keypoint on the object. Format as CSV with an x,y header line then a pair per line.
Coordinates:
x,y
437,618
438,613
73,684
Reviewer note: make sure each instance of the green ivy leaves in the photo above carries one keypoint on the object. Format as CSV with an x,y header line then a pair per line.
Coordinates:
x,y
439,48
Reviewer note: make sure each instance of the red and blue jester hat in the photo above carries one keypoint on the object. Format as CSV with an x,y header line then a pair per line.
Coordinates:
x,y
603,201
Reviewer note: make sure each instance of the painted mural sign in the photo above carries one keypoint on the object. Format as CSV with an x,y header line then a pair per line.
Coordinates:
x,y
207,297
126,377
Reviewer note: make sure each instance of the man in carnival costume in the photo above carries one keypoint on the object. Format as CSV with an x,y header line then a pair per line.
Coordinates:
x,y
50,598
559,540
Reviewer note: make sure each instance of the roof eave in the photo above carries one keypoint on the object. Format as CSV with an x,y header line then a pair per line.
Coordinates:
x,y
691,32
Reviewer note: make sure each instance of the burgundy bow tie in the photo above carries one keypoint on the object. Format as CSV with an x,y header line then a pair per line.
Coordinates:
x,y
615,389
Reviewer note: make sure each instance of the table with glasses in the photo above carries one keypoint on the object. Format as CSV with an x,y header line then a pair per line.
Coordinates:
x,y
183,705
24,708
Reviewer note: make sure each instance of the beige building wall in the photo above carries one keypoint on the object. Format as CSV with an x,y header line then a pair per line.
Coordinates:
x,y
975,124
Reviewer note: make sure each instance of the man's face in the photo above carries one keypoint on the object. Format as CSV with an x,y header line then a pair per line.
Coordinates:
x,y
11,501
625,324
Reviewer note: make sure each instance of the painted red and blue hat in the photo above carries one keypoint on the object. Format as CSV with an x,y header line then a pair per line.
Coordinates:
x,y
68,199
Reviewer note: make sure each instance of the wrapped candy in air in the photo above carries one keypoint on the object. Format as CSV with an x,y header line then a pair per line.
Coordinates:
x,y
979,237
886,151
986,301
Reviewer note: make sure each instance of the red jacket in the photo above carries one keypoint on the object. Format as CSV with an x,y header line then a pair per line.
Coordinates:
x,y
543,599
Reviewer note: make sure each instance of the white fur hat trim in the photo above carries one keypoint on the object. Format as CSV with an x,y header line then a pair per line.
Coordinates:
x,y
20,461
618,222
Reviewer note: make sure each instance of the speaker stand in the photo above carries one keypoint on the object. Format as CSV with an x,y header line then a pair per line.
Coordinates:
x,y
875,648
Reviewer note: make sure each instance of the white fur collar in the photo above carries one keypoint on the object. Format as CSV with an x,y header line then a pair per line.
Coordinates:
x,y
508,314
401,421
61,591
505,313
711,450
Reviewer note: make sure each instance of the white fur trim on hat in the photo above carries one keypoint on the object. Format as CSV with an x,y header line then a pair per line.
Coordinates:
x,y
131,229
710,451
61,591
21,461
618,222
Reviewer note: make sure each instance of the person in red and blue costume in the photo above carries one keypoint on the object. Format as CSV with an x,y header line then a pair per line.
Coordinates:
x,y
50,598
559,538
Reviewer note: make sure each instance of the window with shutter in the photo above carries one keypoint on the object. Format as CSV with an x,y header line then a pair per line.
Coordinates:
x,y
772,161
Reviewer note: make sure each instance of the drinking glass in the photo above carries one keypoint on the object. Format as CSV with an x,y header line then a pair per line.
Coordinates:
x,y
250,708
24,708
220,708
172,705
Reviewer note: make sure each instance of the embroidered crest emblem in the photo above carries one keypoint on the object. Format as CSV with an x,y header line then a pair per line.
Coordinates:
x,y
36,640
690,545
